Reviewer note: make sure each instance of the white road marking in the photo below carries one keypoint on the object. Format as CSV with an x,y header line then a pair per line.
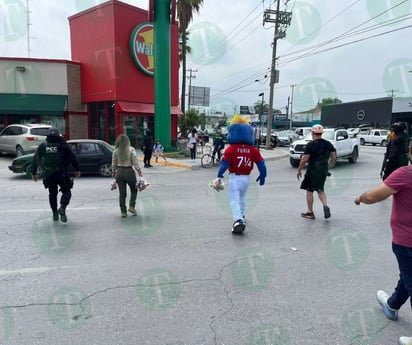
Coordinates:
x,y
48,209
30,270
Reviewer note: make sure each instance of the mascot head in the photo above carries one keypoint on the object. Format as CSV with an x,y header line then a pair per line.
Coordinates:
x,y
239,131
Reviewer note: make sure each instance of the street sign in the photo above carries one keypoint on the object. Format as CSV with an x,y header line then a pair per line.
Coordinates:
x,y
246,110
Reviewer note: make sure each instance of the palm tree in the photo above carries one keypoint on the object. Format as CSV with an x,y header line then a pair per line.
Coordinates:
x,y
185,10
188,49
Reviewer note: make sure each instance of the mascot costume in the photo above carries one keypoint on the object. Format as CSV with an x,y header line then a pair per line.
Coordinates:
x,y
239,157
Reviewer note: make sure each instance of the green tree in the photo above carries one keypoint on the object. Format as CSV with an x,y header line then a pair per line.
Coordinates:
x,y
185,10
329,101
189,120
188,49
258,108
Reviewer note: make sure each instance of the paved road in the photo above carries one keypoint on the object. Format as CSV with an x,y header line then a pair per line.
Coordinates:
x,y
176,275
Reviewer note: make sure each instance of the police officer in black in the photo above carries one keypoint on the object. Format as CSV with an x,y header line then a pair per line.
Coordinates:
x,y
397,150
50,162
147,148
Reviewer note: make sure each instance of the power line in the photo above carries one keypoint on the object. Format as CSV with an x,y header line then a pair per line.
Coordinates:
x,y
343,35
314,50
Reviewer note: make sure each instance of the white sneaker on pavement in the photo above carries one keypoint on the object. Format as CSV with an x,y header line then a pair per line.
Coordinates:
x,y
382,299
405,341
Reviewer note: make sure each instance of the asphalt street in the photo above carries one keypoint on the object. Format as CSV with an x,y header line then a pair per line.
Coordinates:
x,y
175,274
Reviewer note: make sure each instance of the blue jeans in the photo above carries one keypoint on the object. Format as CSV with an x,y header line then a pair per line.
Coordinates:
x,y
403,290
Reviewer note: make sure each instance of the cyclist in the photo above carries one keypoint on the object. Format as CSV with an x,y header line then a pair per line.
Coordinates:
x,y
218,144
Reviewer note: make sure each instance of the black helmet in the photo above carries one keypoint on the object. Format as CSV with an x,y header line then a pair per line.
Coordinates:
x,y
53,132
398,127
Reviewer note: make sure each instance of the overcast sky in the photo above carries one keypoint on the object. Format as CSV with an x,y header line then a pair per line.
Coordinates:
x,y
349,49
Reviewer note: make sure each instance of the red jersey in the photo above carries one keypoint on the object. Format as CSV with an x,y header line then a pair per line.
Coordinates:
x,y
241,158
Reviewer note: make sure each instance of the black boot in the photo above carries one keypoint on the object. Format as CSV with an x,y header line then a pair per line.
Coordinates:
x,y
62,212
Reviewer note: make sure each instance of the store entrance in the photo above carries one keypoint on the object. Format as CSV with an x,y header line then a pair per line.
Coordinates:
x,y
135,126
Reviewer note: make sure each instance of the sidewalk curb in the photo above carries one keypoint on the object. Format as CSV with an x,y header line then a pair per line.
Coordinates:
x,y
197,165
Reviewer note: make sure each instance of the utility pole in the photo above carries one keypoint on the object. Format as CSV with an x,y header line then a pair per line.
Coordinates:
x,y
392,91
291,106
281,20
262,94
190,77
28,27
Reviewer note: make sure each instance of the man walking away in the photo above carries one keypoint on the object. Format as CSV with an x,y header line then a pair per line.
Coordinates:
x,y
50,162
320,155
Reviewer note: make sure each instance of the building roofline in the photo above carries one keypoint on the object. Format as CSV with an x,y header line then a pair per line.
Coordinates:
x,y
27,59
105,4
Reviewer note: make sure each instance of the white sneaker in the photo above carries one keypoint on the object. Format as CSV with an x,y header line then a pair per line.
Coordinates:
x,y
405,341
382,299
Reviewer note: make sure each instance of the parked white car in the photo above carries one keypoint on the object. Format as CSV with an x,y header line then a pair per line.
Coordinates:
x,y
20,139
346,147
375,137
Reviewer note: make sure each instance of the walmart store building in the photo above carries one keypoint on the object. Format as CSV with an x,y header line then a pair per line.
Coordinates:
x,y
105,90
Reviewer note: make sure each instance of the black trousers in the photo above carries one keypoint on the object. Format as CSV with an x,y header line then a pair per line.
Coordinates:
x,y
147,156
59,181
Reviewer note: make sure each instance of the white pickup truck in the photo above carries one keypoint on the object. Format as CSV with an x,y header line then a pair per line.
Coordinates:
x,y
346,147
374,137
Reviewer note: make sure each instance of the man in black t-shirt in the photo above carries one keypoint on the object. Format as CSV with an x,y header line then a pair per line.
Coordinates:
x,y
319,155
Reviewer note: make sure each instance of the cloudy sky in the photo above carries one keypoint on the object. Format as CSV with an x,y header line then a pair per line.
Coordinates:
x,y
349,49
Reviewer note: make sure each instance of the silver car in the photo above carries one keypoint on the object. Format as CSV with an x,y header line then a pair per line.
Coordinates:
x,y
20,139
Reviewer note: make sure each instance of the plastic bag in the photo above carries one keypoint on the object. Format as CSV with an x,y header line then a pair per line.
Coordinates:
x,y
217,184
113,184
141,184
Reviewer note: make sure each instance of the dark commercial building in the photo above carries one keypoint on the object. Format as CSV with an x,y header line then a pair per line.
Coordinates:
x,y
377,113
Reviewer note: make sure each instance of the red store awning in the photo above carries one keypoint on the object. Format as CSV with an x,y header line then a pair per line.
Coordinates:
x,y
143,108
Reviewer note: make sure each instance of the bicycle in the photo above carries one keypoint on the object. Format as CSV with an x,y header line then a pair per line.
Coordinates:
x,y
209,159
